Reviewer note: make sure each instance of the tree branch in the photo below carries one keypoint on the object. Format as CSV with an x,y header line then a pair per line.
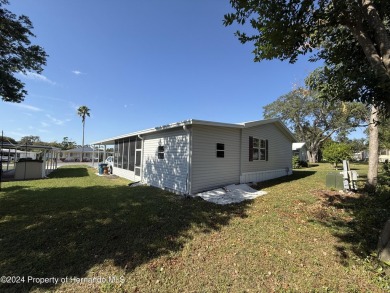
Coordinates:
x,y
381,35
371,53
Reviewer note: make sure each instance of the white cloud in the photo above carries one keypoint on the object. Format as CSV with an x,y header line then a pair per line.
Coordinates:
x,y
37,77
55,120
44,124
77,72
27,107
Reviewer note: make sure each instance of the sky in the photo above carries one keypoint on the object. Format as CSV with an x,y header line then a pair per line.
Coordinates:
x,y
137,65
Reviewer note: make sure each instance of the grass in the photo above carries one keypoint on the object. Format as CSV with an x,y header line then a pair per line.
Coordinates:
x,y
99,235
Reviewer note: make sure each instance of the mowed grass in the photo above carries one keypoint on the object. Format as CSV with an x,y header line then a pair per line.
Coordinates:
x,y
98,235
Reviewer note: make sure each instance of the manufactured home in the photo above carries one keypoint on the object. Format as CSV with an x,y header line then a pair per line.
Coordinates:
x,y
299,149
194,155
74,155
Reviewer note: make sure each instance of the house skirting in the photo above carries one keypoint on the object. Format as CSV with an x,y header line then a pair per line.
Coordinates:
x,y
264,175
127,174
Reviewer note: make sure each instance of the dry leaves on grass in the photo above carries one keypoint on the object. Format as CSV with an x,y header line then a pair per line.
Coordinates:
x,y
330,205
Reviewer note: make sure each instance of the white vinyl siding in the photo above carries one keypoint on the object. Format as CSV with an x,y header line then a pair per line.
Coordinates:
x,y
208,170
279,149
125,174
171,171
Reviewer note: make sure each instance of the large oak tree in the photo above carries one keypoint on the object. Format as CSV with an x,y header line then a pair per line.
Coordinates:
x,y
314,120
285,29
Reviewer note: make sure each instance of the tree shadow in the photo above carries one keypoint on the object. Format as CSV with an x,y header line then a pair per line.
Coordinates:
x,y
355,219
66,231
169,171
297,175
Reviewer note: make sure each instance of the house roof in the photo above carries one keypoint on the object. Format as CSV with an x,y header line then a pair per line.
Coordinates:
x,y
297,145
27,146
185,123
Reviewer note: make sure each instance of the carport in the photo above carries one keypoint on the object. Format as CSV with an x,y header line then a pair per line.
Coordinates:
x,y
28,161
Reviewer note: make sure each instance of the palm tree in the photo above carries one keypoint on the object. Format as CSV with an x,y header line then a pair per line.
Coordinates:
x,y
83,111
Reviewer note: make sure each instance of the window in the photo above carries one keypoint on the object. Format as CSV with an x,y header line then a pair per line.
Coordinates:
x,y
220,150
258,149
160,152
262,150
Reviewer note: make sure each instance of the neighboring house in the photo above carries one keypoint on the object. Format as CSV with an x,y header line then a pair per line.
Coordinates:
x,y
360,156
384,155
12,154
192,156
299,149
74,155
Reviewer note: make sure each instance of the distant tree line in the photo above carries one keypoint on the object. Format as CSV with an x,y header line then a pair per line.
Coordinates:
x,y
66,143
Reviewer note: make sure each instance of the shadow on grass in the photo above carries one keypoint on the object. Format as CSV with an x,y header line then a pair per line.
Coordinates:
x,y
64,232
356,219
297,175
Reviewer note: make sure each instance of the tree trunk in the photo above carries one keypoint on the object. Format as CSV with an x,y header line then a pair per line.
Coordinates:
x,y
82,146
373,149
312,156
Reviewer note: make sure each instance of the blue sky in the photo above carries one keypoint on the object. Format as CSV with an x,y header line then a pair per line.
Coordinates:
x,y
140,64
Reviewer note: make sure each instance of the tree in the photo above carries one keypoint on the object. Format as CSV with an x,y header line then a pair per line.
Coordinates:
x,y
384,133
353,79
335,153
17,54
8,140
373,149
83,112
314,120
357,144
285,29
66,144
30,140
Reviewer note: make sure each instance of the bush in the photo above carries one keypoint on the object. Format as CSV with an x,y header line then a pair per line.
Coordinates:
x,y
295,162
335,153
298,163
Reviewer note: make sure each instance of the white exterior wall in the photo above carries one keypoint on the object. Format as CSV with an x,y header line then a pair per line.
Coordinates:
x,y
172,171
191,165
208,171
279,154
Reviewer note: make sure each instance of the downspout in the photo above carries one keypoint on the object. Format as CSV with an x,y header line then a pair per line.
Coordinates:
x,y
189,156
142,158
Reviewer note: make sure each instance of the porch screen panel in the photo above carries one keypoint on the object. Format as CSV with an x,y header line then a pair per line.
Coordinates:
x,y
125,153
138,159
132,153
120,153
116,150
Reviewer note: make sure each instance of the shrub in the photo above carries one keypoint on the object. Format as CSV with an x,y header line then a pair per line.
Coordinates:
x,y
335,153
295,162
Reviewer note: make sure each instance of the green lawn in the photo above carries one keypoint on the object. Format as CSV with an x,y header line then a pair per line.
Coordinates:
x,y
99,235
